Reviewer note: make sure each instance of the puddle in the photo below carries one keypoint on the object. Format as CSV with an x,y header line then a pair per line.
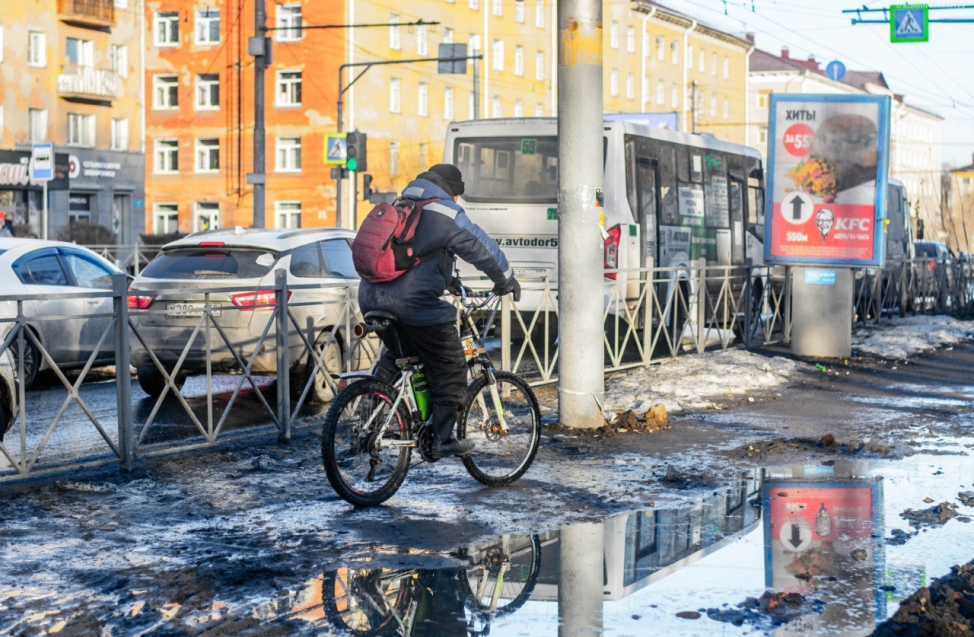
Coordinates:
x,y
811,549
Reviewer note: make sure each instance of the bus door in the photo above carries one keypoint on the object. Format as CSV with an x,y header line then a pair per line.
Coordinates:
x,y
738,212
646,176
754,237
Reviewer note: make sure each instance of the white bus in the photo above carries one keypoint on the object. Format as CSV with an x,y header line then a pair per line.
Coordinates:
x,y
669,197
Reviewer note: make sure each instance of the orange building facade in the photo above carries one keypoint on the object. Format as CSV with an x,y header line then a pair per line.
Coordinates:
x,y
199,80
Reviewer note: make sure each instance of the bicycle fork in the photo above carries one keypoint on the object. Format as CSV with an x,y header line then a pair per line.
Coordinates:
x,y
495,398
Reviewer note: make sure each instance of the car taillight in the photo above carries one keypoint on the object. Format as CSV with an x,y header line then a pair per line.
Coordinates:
x,y
140,301
611,259
260,298
212,244
933,263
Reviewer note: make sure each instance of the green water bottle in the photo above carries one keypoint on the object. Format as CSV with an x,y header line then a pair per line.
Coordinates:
x,y
421,390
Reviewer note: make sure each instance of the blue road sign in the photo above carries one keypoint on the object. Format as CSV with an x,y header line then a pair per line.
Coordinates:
x,y
909,23
335,149
835,70
42,161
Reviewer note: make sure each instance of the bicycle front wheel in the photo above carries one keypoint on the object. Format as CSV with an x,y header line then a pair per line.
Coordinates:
x,y
364,468
500,456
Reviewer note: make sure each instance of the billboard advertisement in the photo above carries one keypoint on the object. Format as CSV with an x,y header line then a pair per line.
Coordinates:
x,y
827,172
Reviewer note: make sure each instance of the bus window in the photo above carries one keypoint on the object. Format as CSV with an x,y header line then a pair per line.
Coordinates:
x,y
631,177
716,209
509,169
696,168
667,186
737,220
647,206
682,164
755,203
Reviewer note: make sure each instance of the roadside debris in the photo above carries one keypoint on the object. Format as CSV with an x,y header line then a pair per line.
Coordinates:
x,y
946,607
771,608
656,419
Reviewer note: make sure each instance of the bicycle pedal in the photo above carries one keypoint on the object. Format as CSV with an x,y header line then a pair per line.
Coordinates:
x,y
402,443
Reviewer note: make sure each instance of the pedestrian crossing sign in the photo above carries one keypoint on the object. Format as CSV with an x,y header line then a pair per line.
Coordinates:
x,y
336,151
909,23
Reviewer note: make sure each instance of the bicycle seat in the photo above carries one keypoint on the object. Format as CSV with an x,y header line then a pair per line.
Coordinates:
x,y
380,315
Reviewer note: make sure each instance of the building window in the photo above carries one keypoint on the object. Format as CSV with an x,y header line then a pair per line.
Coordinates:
x,y
713,64
713,105
447,35
167,28
614,83
208,91
539,65
288,154
166,91
675,96
703,61
631,39
394,42
289,88
422,43
539,110
395,106
763,100
661,49
474,4
539,14
726,68
518,108
660,92
630,86
393,158
287,215
81,129
614,35
36,49
208,26
422,99
424,156
206,216
726,108
519,11
120,134
498,7
763,135
495,106
675,52
470,110
690,56
473,43
167,156
519,61
498,55
118,58
207,155
165,218
448,103
289,23
80,52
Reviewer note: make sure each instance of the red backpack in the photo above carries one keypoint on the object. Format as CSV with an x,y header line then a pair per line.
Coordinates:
x,y
383,248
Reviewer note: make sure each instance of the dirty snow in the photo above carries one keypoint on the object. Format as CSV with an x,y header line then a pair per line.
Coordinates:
x,y
694,382
904,337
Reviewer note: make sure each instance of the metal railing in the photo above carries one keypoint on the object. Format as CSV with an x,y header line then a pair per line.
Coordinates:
x,y
294,332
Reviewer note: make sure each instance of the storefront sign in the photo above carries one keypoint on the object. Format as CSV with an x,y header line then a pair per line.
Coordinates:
x,y
827,179
15,171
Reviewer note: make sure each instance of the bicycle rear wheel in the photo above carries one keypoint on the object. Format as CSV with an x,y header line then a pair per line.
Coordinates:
x,y
364,470
504,577
500,457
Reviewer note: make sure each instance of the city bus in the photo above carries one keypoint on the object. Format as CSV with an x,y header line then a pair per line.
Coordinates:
x,y
670,197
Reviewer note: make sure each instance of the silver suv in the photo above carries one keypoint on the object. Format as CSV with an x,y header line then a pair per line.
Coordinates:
x,y
170,294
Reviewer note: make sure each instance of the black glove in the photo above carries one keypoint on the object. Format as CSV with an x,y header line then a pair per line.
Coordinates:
x,y
511,286
454,287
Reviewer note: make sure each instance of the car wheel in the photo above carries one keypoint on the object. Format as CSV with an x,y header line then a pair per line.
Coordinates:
x,y
330,350
153,382
32,359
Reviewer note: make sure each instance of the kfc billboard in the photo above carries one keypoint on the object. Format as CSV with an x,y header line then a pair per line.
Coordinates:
x,y
827,173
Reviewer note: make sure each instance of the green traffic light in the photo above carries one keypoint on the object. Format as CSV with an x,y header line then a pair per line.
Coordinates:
x,y
351,163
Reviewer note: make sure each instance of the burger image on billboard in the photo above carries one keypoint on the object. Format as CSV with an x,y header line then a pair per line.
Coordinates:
x,y
848,142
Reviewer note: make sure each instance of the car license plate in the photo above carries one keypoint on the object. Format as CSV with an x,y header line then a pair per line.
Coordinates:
x,y
189,310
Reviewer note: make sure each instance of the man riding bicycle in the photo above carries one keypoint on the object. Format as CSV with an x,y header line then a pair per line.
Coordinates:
x,y
427,323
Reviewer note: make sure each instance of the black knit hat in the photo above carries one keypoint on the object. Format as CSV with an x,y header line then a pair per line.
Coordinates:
x,y
451,175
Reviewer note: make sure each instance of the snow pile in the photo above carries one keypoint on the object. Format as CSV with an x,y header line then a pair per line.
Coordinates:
x,y
692,382
906,337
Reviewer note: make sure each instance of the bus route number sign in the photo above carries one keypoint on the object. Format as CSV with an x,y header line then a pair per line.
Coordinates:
x,y
529,146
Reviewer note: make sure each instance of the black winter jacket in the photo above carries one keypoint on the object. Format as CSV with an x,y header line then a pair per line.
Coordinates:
x,y
444,232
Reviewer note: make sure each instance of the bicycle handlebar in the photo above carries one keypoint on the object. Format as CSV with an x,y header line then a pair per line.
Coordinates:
x,y
361,330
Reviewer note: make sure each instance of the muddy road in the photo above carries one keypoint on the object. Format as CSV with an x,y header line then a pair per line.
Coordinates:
x,y
777,511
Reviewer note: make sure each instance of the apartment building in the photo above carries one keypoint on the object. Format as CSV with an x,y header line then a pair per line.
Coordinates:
x,y
70,75
200,113
959,199
915,133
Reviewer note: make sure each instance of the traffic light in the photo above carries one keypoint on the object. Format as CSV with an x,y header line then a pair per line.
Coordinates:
x,y
366,186
356,157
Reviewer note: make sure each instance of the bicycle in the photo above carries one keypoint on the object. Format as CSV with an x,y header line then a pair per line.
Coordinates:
x,y
372,426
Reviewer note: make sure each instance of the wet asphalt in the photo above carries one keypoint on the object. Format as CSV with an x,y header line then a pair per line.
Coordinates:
x,y
677,532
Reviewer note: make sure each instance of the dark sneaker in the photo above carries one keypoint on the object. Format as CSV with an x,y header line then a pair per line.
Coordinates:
x,y
451,447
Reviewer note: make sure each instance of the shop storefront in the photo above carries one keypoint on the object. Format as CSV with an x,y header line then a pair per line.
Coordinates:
x,y
21,200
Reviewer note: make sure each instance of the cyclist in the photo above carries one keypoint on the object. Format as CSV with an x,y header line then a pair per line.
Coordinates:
x,y
427,323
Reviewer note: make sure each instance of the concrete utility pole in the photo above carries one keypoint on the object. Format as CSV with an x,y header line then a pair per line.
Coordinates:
x,y
580,589
581,383
259,48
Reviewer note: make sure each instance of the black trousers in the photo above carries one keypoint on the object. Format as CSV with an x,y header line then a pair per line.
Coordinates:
x,y
439,349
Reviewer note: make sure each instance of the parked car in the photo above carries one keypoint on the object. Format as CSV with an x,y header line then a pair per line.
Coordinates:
x,y
172,288
38,267
936,263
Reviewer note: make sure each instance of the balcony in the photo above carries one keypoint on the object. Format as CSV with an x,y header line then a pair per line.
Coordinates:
x,y
100,13
88,83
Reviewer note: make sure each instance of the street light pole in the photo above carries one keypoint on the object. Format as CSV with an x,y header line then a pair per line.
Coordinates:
x,y
581,217
259,48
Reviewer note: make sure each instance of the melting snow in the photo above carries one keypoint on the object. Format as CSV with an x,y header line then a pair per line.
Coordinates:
x,y
905,337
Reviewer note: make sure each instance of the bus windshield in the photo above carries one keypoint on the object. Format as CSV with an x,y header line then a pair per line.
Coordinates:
x,y
509,169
